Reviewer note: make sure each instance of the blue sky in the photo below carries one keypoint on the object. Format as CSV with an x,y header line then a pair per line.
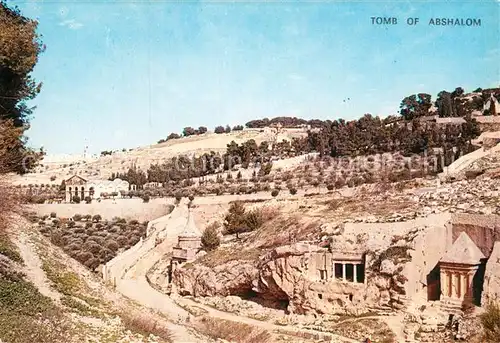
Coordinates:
x,y
121,74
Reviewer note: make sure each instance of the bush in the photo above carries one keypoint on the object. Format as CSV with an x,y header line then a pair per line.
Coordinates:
x,y
71,224
88,199
96,218
53,215
254,220
191,197
293,191
210,239
275,192
330,187
145,198
76,199
178,197
77,217
490,321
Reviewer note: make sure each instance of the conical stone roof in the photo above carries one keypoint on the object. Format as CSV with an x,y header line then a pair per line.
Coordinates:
x,y
463,251
190,230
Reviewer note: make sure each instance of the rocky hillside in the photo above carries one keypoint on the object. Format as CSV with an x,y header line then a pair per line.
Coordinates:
x,y
47,297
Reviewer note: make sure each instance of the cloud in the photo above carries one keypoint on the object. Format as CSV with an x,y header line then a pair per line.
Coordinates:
x,y
72,24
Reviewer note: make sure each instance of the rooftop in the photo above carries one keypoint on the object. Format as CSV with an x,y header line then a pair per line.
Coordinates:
x,y
463,251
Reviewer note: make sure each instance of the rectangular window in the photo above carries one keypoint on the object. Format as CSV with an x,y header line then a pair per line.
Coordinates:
x,y
349,272
338,270
360,273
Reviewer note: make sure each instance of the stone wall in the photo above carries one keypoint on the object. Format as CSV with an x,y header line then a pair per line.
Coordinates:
x,y
427,248
484,230
491,286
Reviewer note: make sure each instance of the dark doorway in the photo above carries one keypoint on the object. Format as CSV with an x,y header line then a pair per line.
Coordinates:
x,y
338,270
477,284
434,284
349,272
360,273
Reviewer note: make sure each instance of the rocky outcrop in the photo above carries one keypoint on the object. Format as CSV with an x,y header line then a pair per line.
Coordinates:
x,y
491,286
232,278
288,275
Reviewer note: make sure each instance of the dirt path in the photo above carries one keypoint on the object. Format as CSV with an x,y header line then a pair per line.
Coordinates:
x,y
33,266
135,286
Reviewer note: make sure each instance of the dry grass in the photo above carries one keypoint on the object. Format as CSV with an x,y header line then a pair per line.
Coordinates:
x,y
145,325
232,331
490,320
224,255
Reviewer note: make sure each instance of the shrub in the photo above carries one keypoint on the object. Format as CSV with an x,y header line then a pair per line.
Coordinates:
x,y
275,192
77,217
330,187
87,217
52,178
293,191
88,199
265,169
88,225
191,197
71,224
96,218
210,238
145,198
112,245
490,321
254,220
76,199
178,197
53,215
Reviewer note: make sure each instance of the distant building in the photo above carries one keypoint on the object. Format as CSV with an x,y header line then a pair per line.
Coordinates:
x,y
78,186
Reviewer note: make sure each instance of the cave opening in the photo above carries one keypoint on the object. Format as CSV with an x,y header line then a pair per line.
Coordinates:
x,y
280,302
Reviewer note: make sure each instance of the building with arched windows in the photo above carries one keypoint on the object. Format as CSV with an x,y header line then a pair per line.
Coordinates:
x,y
78,186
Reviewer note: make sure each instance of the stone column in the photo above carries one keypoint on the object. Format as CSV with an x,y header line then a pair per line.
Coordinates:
x,y
444,283
464,285
354,271
343,272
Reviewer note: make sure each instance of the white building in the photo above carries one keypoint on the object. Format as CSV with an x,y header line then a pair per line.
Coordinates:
x,y
78,186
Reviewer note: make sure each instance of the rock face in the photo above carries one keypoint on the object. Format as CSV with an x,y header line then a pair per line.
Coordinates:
x,y
491,286
288,275
233,278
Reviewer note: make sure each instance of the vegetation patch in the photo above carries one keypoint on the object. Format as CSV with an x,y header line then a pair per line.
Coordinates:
x,y
232,331
91,241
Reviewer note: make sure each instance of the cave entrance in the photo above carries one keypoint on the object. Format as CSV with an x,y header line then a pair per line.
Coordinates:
x,y
276,303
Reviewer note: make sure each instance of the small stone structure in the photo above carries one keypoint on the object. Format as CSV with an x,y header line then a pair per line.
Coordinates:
x,y
78,186
188,244
458,267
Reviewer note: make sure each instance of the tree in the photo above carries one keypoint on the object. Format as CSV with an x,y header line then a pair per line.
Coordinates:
x,y
234,221
238,128
219,129
76,199
188,131
415,106
19,50
227,129
173,135
202,130
210,238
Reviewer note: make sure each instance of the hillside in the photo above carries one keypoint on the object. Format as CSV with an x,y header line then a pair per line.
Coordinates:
x,y
47,297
